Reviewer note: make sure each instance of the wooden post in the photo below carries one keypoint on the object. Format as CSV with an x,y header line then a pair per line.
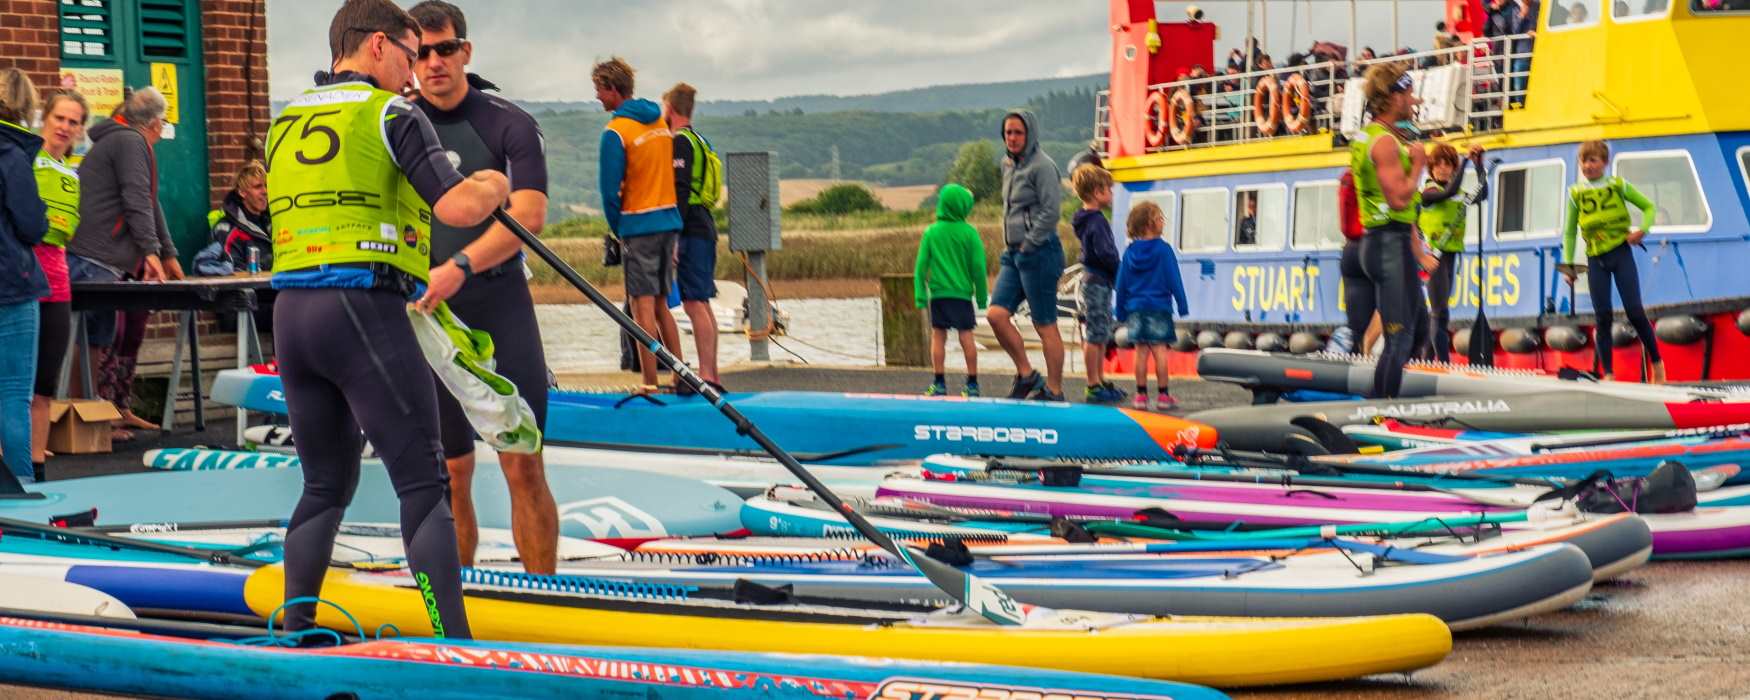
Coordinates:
x,y
905,336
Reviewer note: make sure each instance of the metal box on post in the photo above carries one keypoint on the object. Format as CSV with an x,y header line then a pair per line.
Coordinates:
x,y
753,201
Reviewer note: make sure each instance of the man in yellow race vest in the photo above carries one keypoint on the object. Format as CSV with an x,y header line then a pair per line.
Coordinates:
x,y
357,175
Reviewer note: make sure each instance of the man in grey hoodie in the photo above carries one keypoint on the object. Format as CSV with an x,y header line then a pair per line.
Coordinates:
x,y
122,234
1032,260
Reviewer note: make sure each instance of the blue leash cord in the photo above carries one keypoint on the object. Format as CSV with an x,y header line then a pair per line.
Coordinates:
x,y
293,639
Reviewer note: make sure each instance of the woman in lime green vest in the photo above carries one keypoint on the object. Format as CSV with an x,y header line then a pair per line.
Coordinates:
x,y
1598,209
1386,168
57,183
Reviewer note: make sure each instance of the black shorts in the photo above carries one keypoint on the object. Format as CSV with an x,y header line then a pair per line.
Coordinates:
x,y
500,305
953,314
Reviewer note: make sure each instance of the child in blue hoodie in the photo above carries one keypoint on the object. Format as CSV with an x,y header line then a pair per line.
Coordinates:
x,y
1148,289
1093,185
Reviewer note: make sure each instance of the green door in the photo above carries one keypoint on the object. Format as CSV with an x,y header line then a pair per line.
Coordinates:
x,y
154,42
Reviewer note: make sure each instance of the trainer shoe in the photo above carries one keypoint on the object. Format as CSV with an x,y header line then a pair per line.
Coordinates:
x,y
1119,393
1046,395
1165,402
1140,403
1102,395
971,391
936,389
1025,386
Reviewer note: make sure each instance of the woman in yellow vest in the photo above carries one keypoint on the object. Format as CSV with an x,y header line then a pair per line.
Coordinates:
x,y
1443,222
1598,209
1386,169
58,184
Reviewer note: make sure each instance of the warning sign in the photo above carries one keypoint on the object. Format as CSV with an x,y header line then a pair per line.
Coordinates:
x,y
164,78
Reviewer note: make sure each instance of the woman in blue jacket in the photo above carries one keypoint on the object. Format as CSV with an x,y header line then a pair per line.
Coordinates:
x,y
23,222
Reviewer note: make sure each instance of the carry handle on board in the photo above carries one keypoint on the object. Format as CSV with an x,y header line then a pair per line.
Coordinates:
x,y
976,595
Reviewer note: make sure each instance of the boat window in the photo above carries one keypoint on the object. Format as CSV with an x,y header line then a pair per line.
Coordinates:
x,y
1706,7
1167,201
1669,179
1260,217
1530,200
1638,9
1315,216
1203,220
1744,166
1574,14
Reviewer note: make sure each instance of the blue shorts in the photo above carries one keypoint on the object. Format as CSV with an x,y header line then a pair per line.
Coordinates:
x,y
1097,321
1151,327
1030,277
697,271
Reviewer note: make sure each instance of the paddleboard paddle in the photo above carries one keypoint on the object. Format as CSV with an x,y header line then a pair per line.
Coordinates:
x,y
975,594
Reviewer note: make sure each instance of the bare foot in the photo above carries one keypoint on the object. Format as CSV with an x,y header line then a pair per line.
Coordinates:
x,y
1658,373
133,421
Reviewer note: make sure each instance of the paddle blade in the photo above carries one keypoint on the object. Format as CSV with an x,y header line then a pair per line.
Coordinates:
x,y
1482,342
982,598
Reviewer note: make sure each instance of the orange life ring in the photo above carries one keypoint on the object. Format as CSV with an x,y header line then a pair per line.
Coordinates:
x,y
1267,106
1159,119
1297,105
1182,116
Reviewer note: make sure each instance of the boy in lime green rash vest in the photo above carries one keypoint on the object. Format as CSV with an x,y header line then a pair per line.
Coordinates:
x,y
1598,209
950,275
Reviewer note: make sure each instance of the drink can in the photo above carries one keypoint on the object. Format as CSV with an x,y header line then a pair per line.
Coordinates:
x,y
254,260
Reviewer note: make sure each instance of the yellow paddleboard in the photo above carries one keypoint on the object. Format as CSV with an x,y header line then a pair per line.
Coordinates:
x,y
1216,651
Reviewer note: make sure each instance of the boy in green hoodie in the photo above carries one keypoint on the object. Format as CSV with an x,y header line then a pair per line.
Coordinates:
x,y
949,276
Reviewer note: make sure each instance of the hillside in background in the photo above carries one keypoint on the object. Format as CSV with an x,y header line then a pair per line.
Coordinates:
x,y
896,149
936,98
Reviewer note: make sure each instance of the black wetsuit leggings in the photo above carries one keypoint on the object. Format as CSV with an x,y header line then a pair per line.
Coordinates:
x,y
1358,300
1386,258
51,345
1619,264
1440,290
349,361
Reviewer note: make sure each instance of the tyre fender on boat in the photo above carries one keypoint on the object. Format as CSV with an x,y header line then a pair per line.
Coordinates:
x,y
1297,105
1208,339
1267,106
1304,343
1565,338
1519,340
1160,119
1183,341
1271,342
1744,322
1237,340
1681,330
1623,334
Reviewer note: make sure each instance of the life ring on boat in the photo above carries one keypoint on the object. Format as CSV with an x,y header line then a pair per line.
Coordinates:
x,y
1182,116
1267,106
1160,119
1297,105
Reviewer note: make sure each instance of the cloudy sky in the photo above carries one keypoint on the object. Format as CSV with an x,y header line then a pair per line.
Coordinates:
x,y
761,49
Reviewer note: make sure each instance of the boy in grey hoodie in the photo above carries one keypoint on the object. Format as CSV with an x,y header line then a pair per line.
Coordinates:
x,y
1033,259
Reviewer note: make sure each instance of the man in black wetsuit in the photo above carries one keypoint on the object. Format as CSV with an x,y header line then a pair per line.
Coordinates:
x,y
485,132
357,176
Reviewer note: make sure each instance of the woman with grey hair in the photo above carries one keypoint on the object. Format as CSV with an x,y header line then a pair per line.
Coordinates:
x,y
122,234
23,222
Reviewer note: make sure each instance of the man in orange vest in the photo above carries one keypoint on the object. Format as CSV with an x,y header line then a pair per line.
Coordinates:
x,y
638,199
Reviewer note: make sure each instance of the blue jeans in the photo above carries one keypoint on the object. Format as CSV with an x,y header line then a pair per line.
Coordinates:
x,y
1030,277
18,330
99,325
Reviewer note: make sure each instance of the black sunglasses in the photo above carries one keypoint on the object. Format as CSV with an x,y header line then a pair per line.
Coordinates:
x,y
445,48
412,56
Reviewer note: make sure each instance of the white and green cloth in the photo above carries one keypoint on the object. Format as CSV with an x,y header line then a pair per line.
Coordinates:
x,y
462,358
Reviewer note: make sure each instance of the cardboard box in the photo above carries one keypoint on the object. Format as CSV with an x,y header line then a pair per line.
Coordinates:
x,y
81,426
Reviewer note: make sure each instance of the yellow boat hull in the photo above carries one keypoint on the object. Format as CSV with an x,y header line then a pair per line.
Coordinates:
x,y
1212,651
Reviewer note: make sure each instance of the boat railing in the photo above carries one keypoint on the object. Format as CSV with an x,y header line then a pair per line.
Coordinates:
x,y
1465,87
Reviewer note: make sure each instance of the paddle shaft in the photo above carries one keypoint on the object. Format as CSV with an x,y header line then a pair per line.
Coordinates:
x,y
97,538
957,584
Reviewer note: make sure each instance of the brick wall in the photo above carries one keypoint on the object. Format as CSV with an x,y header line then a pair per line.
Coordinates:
x,y
234,37
30,39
